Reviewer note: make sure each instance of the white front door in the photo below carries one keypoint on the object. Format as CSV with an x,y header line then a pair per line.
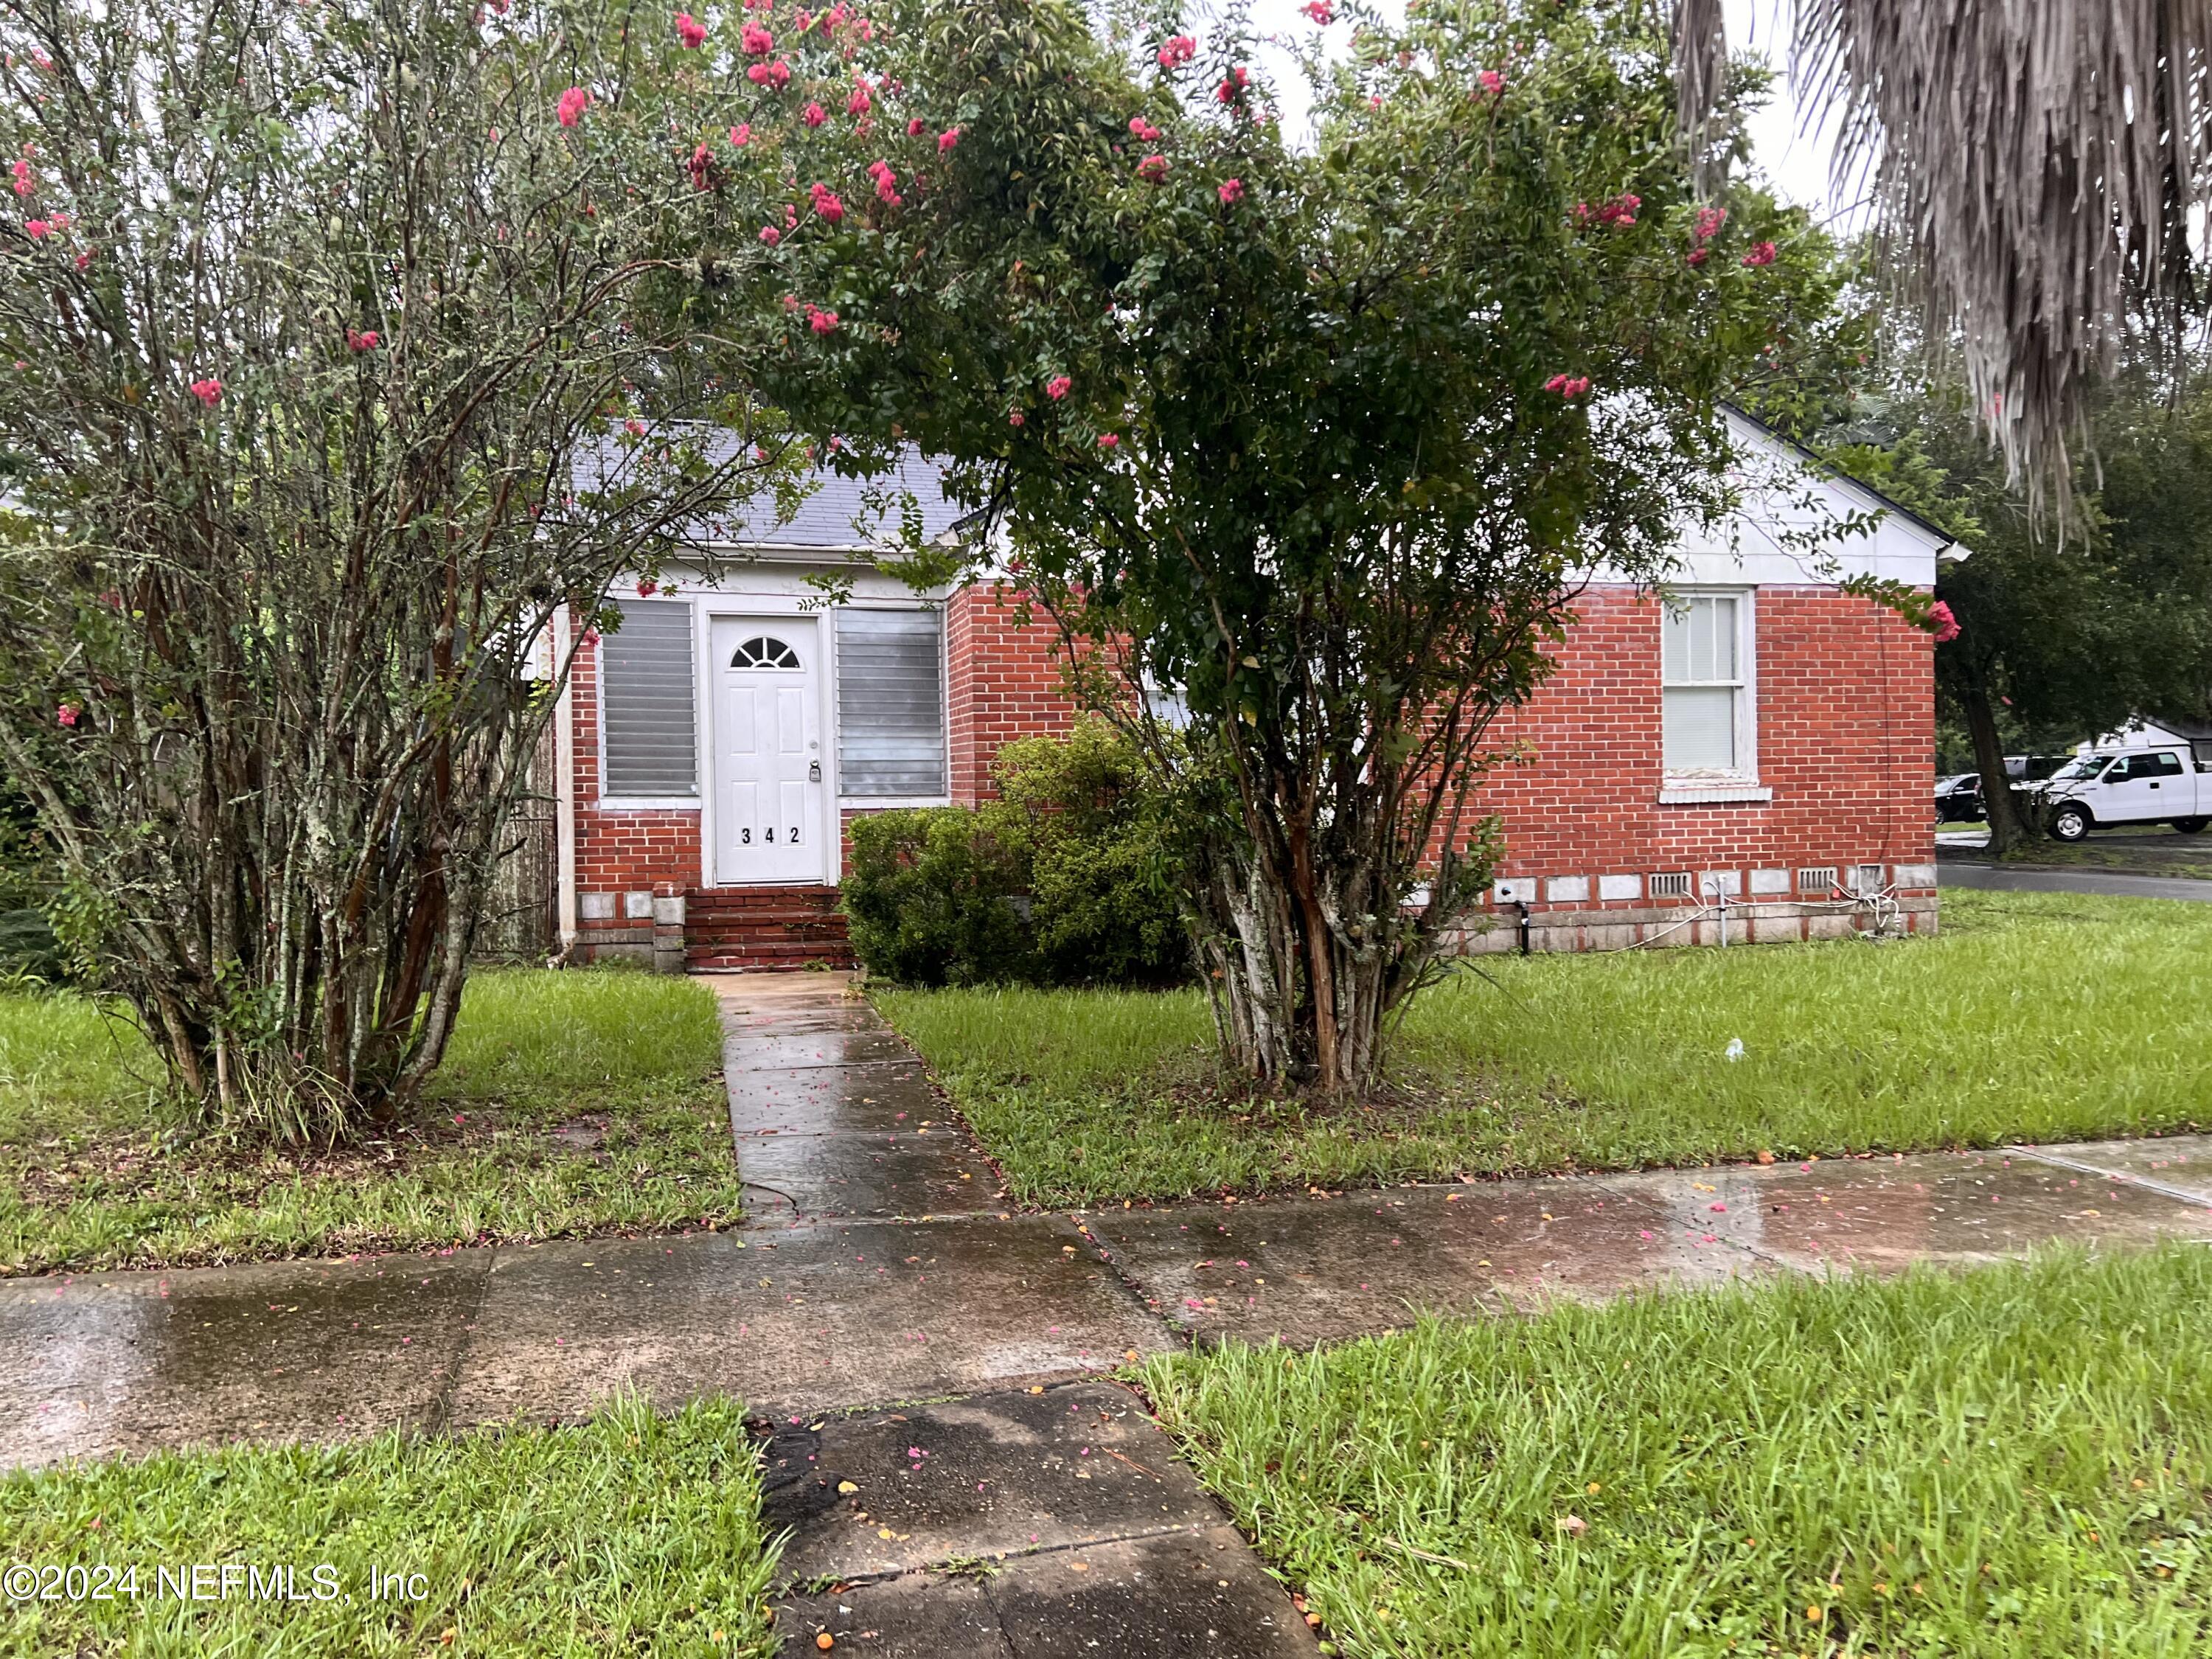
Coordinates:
x,y
768,749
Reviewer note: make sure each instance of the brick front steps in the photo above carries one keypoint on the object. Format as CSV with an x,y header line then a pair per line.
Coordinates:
x,y
733,930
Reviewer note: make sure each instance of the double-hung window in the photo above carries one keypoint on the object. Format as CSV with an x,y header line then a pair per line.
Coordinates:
x,y
647,742
1706,686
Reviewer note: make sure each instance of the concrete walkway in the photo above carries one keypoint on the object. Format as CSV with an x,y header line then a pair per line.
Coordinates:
x,y
880,1265
2113,883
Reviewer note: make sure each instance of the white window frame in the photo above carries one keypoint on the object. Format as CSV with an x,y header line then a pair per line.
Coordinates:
x,y
1740,782
609,802
894,803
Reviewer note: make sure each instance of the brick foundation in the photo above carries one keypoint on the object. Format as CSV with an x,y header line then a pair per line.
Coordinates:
x,y
1845,701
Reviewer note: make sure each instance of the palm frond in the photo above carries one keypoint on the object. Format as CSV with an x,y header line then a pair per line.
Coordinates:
x,y
2035,165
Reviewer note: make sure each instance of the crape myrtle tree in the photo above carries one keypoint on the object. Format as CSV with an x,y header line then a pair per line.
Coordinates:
x,y
333,340
1315,443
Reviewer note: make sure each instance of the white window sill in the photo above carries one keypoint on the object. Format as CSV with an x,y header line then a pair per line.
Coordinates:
x,y
1694,792
889,803
642,804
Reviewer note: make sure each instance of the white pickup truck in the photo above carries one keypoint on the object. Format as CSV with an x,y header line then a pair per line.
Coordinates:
x,y
2161,784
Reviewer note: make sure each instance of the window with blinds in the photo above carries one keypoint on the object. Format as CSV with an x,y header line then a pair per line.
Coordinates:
x,y
1704,689
648,738
890,702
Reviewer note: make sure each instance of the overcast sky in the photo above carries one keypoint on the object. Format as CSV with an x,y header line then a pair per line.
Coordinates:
x,y
1797,165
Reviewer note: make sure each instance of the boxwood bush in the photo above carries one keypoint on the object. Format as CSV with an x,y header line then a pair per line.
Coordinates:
x,y
1069,878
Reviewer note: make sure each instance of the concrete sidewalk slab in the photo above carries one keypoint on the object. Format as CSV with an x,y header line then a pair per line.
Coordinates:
x,y
1184,1595
1306,1270
808,1177
803,1321
2179,1166
1192,1595
882,1097
123,1362
1881,1215
919,1615
987,1477
769,1051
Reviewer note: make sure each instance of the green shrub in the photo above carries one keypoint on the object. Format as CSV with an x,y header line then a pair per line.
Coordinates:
x,y
935,897
1068,878
1102,871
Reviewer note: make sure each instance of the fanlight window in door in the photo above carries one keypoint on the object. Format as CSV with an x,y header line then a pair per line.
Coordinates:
x,y
763,652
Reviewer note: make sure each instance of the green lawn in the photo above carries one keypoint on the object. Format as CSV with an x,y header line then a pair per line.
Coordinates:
x,y
632,1534
2013,1463
569,1103
2030,1016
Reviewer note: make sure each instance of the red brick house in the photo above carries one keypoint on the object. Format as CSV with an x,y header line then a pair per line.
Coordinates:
x,y
1748,758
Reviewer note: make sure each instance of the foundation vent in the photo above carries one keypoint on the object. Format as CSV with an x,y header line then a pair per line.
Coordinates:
x,y
1673,884
1816,879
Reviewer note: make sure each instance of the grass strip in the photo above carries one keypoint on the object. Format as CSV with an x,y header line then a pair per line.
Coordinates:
x,y
2011,1463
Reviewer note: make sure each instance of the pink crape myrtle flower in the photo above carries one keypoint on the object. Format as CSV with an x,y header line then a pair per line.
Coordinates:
x,y
886,184
1231,191
38,229
757,41
1620,210
776,75
1015,418
821,321
1143,130
915,128
700,168
1153,169
690,31
826,203
770,235
1708,224
1699,255
741,135
573,103
860,103
208,391
359,340
67,714
24,183
1761,254
1492,82
1568,386
1109,440
647,589
1179,49
1946,624
946,139
815,115
1320,10
1232,86
1057,387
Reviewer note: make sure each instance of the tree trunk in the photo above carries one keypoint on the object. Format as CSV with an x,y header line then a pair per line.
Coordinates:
x,y
2010,826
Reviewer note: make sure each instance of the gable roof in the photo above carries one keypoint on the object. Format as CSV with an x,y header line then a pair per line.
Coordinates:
x,y
1943,539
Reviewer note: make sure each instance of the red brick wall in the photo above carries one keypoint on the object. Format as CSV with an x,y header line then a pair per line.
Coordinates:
x,y
1846,734
1844,697
1004,681
622,851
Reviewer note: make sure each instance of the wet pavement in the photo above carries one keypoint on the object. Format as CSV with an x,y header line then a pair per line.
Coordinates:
x,y
2111,883
122,1362
800,1319
1305,1270
1881,1215
2178,1166
940,1358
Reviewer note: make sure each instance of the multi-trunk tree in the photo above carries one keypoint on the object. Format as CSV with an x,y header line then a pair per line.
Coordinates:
x,y
336,340
1311,446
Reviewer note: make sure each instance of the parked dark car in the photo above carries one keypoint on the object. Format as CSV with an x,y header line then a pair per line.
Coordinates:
x,y
1959,798
2033,769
